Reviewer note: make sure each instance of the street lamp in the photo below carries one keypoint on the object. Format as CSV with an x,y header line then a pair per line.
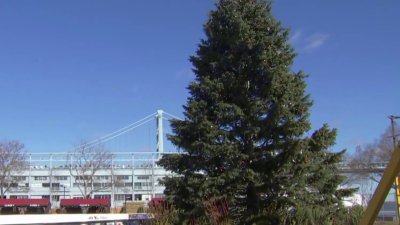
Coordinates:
x,y
64,186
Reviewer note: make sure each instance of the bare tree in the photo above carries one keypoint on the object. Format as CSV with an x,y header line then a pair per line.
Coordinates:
x,y
120,186
86,161
12,162
385,145
378,152
365,160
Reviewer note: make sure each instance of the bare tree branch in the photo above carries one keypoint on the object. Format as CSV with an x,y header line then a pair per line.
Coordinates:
x,y
12,162
367,157
86,161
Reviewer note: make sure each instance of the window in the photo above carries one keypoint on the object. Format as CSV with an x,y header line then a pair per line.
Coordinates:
x,y
45,185
143,177
40,177
18,196
123,197
102,177
142,185
123,184
102,196
82,177
19,186
55,186
19,178
119,197
138,197
80,184
122,177
101,185
128,197
138,185
61,178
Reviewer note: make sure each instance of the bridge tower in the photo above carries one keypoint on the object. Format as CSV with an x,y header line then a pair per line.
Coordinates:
x,y
160,139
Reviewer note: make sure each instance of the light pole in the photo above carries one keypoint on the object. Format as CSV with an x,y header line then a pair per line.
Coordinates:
x,y
63,186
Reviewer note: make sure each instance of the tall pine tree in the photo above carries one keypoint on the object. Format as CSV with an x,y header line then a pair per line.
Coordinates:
x,y
243,136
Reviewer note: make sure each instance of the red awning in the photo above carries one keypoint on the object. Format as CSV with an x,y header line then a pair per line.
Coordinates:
x,y
86,202
24,202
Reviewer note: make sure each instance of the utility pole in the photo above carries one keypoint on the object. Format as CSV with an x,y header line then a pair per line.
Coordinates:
x,y
392,124
392,119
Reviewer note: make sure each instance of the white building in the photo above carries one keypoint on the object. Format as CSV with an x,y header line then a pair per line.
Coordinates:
x,y
131,176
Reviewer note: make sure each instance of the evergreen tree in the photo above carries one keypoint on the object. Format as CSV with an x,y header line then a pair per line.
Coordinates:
x,y
243,136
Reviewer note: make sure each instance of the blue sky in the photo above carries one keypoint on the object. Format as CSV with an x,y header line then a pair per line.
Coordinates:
x,y
73,70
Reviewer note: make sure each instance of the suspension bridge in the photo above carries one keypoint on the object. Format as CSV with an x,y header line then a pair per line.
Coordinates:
x,y
53,175
111,142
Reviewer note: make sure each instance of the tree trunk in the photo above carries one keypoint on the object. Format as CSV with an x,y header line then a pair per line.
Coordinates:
x,y
2,192
253,201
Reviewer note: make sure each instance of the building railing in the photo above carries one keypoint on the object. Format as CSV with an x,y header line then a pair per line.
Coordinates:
x,y
121,160
19,189
349,167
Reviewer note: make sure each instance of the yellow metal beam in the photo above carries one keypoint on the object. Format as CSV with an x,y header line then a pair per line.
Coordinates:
x,y
389,176
398,195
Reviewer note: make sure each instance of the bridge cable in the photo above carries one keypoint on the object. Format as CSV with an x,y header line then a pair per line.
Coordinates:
x,y
118,132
